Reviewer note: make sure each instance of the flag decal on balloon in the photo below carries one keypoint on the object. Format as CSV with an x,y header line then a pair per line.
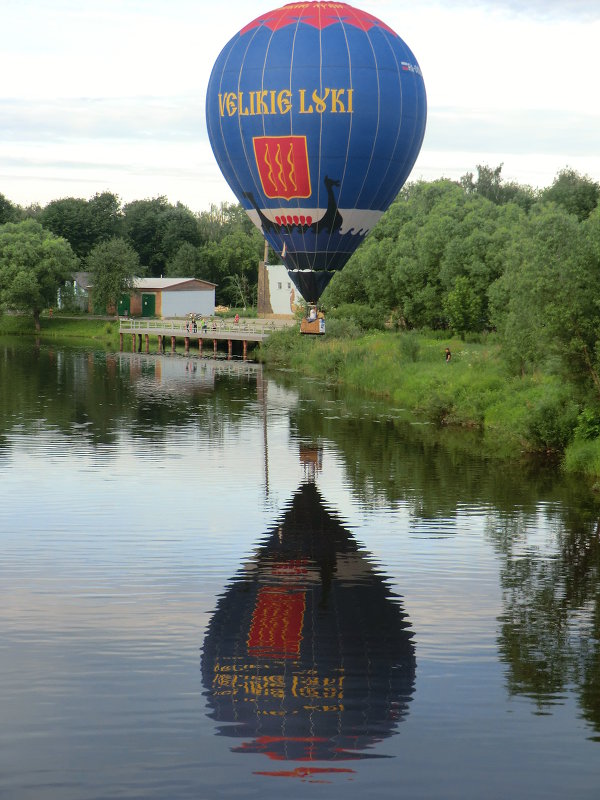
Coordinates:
x,y
282,163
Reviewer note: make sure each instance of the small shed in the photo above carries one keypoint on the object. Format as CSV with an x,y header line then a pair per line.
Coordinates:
x,y
168,297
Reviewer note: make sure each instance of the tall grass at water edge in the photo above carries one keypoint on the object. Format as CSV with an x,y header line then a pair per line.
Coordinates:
x,y
105,331
516,415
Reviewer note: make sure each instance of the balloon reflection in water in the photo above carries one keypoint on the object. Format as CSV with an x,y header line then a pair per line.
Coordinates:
x,y
308,656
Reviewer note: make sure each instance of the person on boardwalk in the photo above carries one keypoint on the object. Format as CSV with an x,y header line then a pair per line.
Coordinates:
x,y
448,355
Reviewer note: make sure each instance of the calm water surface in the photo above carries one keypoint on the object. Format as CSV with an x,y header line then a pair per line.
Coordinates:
x,y
221,583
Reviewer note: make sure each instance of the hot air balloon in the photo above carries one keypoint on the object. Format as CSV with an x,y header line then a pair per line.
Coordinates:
x,y
316,113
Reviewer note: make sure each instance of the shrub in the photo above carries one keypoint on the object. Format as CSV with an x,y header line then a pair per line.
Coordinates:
x,y
551,423
588,425
342,328
365,317
437,408
583,457
410,346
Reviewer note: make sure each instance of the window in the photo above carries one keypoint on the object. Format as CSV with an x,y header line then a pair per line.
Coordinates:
x,y
279,285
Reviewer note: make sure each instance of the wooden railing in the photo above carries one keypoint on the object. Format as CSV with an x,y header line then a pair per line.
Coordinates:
x,y
211,328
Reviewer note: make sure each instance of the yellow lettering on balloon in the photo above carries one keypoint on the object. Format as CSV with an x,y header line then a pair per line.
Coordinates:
x,y
262,107
284,101
243,112
303,109
272,101
337,101
231,103
320,104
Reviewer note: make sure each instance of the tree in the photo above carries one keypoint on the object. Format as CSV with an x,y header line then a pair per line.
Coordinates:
x,y
489,184
463,307
113,265
8,211
156,230
222,219
81,222
232,263
106,217
185,263
70,218
546,305
34,263
576,193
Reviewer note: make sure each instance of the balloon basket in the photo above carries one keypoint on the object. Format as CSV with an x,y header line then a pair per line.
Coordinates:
x,y
313,327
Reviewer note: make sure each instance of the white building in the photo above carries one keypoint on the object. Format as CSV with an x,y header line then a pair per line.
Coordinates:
x,y
277,294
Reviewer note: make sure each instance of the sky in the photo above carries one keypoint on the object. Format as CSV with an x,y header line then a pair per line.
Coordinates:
x,y
108,95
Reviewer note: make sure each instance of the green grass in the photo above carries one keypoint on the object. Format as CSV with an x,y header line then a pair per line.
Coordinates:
x,y
583,457
59,327
530,415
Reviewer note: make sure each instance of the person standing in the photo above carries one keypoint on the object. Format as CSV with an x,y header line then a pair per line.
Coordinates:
x,y
448,355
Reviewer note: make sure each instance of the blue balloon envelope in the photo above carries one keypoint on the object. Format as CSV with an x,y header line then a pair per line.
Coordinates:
x,y
316,113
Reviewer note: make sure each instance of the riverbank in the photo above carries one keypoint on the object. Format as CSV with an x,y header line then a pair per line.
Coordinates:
x,y
97,329
517,416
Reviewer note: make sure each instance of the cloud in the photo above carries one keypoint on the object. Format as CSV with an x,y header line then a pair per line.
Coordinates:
x,y
56,119
533,131
539,9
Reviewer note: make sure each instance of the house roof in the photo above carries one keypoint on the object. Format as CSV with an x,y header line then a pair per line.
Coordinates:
x,y
169,283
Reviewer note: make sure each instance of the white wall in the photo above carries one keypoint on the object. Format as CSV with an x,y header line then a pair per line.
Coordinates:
x,y
282,292
179,304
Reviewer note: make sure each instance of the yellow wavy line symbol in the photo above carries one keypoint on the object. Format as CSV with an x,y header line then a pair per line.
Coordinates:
x,y
279,163
292,174
270,166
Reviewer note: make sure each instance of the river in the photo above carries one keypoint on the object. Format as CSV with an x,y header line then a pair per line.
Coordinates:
x,y
219,582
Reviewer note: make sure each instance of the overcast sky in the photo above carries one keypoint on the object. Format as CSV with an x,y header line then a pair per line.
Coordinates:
x,y
109,94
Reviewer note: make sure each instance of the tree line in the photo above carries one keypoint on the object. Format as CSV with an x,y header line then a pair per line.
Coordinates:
x,y
481,255
469,256
40,247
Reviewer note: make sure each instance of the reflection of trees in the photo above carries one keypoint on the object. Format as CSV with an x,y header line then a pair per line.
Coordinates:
x,y
94,395
308,656
550,626
432,471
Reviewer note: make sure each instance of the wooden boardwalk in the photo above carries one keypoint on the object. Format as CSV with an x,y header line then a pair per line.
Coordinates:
x,y
215,331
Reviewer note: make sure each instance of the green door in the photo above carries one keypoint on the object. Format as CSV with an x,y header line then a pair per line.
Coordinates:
x,y
123,306
148,305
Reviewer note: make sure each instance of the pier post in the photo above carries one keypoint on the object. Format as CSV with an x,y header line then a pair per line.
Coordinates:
x,y
160,343
121,342
172,344
147,342
200,345
187,344
215,347
229,348
245,347
133,342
